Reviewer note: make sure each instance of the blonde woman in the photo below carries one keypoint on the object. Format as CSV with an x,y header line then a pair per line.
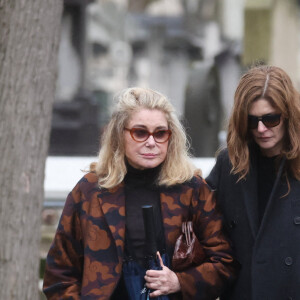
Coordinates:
x,y
258,188
143,160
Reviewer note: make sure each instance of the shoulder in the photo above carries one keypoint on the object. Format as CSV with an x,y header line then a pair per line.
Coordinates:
x,y
223,156
89,183
197,182
195,188
220,170
222,161
91,177
88,180
86,185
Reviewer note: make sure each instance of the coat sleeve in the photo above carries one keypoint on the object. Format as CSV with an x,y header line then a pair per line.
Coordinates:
x,y
64,264
208,280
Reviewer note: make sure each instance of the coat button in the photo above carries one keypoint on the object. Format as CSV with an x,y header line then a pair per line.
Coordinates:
x,y
288,261
232,223
297,220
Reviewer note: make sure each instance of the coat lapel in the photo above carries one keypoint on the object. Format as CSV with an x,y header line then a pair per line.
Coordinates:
x,y
249,190
112,202
172,212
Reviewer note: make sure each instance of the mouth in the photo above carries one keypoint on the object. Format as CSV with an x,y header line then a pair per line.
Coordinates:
x,y
264,138
149,155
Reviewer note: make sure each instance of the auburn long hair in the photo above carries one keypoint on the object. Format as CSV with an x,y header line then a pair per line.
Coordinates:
x,y
274,85
111,168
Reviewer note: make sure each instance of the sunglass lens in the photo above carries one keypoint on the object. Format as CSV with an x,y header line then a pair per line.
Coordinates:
x,y
140,134
252,122
271,120
161,135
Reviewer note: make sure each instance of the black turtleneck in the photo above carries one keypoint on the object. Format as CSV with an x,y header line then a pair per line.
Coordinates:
x,y
141,189
266,179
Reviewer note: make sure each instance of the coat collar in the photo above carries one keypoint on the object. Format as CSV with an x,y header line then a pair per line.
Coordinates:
x,y
112,202
249,190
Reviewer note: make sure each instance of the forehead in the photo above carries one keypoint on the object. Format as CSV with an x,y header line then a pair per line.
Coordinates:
x,y
262,107
149,118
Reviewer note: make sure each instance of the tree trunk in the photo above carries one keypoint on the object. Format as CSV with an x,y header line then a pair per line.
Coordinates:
x,y
29,37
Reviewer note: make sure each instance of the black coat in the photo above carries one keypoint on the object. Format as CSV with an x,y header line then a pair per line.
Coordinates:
x,y
270,253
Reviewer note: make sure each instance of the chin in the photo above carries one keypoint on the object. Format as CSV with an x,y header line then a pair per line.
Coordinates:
x,y
265,146
150,165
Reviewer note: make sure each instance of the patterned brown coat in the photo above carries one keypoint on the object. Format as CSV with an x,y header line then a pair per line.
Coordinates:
x,y
85,258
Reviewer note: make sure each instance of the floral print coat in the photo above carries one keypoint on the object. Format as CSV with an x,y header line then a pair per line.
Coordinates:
x,y
85,258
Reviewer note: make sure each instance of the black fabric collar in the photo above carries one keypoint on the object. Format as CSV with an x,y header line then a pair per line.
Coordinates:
x,y
146,177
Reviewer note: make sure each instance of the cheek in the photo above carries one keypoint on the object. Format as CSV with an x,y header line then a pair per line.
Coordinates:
x,y
281,131
133,149
165,150
129,147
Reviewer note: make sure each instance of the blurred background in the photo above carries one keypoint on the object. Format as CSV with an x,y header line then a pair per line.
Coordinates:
x,y
193,51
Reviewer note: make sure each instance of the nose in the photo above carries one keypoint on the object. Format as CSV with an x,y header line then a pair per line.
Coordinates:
x,y
150,141
261,127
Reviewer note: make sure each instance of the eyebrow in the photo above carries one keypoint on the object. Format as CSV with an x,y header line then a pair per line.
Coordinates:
x,y
269,114
143,126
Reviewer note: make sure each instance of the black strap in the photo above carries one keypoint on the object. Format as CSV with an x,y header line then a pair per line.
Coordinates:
x,y
128,250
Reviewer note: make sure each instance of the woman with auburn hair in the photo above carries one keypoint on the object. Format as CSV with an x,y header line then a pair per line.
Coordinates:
x,y
258,188
101,238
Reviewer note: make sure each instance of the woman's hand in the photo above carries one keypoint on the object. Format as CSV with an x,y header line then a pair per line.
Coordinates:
x,y
162,282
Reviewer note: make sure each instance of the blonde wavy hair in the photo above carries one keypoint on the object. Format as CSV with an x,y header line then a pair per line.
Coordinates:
x,y
274,85
111,168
